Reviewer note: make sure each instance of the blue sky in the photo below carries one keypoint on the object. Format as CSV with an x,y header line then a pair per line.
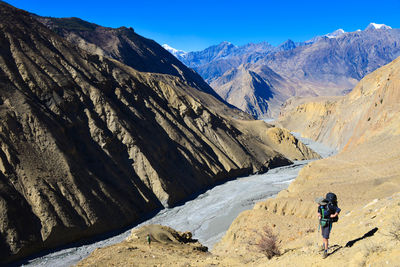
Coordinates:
x,y
194,25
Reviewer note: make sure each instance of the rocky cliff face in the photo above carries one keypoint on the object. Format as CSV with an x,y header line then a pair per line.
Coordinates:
x,y
368,112
124,45
258,90
89,144
246,90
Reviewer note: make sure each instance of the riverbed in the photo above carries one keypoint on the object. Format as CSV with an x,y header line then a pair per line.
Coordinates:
x,y
208,216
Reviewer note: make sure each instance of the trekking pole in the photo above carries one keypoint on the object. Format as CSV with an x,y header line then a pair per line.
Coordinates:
x,y
319,226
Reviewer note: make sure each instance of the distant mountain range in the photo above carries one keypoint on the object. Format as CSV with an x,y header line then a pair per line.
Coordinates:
x,y
330,64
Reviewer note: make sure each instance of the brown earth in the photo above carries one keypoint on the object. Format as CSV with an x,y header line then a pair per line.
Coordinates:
x,y
357,240
365,175
88,144
365,124
369,111
167,248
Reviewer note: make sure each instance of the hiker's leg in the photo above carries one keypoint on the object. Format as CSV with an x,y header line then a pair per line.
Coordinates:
x,y
325,240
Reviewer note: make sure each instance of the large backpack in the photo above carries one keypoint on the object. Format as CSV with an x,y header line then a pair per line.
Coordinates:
x,y
332,198
332,203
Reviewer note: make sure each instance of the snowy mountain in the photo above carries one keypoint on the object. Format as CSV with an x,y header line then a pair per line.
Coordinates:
x,y
179,54
335,34
328,64
374,26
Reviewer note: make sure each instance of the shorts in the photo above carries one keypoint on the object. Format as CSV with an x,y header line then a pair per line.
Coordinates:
x,y
326,231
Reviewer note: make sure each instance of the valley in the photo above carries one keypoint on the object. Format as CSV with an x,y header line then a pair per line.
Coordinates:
x,y
207,217
201,158
90,145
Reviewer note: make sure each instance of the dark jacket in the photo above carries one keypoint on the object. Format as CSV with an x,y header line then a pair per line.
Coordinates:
x,y
329,209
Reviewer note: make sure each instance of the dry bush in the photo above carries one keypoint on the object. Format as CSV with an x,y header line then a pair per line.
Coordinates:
x,y
372,248
268,243
395,230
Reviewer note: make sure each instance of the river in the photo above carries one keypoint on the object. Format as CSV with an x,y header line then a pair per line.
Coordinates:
x,y
208,216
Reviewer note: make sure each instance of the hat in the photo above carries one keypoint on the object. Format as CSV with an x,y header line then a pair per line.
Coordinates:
x,y
321,201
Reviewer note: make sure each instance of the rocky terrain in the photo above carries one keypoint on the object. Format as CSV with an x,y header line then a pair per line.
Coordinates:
x,y
328,65
167,248
365,175
369,112
89,144
124,45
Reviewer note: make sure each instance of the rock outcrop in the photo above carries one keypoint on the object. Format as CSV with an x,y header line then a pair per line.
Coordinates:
x,y
167,248
89,144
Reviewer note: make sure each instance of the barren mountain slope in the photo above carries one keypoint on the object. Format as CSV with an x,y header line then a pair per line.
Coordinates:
x,y
370,110
124,45
365,175
246,90
88,144
260,91
326,67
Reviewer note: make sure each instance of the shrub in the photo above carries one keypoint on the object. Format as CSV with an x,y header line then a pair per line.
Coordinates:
x,y
395,230
372,248
268,243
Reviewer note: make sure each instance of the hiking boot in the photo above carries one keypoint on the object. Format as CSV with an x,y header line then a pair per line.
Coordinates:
x,y
325,254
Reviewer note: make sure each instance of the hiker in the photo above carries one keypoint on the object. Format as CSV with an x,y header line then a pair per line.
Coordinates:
x,y
148,239
328,212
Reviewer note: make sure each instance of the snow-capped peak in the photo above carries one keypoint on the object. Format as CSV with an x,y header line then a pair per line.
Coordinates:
x,y
177,53
375,26
171,49
336,33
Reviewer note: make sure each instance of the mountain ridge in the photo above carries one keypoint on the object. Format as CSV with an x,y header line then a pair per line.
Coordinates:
x,y
326,65
89,144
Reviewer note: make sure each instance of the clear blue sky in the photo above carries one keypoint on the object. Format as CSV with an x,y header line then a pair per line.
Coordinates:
x,y
194,25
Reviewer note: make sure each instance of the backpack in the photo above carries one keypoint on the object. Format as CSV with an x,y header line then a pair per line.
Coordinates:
x,y
332,204
332,198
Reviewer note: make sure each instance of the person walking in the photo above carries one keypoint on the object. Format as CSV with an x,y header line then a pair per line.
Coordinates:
x,y
328,213
148,238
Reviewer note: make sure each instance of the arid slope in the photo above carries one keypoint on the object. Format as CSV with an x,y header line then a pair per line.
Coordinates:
x,y
365,175
88,144
369,111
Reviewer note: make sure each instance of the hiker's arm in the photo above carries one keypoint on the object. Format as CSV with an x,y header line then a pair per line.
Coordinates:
x,y
334,215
